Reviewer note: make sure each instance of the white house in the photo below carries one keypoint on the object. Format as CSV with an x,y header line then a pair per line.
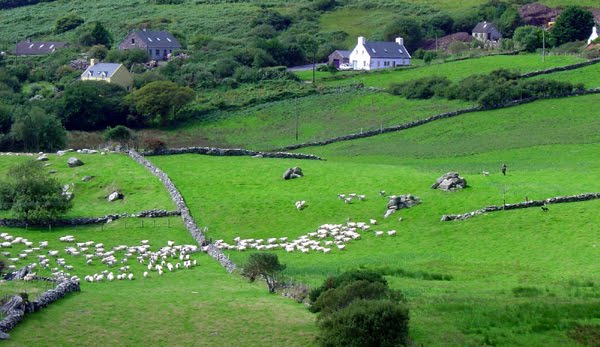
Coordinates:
x,y
371,55
594,35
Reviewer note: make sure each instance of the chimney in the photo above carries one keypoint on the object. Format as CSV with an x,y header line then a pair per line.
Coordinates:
x,y
92,62
361,40
400,41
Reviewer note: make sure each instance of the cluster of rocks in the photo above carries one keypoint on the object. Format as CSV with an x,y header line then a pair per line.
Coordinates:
x,y
399,202
15,309
188,220
526,204
450,181
231,152
293,172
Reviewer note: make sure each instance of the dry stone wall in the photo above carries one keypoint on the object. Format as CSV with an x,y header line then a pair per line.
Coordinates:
x,y
16,308
526,204
188,220
17,223
231,152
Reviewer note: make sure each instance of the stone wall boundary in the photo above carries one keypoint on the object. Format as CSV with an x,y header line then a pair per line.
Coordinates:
x,y
420,122
18,223
16,308
189,222
526,204
230,152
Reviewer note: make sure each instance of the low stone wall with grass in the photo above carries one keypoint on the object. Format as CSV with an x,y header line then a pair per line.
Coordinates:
x,y
561,68
526,204
184,211
231,152
17,223
16,308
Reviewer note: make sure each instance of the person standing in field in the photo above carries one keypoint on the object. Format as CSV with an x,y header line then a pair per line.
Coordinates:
x,y
504,169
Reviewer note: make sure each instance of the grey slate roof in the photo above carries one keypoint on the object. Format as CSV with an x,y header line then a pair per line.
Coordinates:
x,y
158,39
97,69
485,27
38,47
392,50
344,54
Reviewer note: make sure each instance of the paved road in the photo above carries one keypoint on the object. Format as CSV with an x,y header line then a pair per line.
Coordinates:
x,y
303,67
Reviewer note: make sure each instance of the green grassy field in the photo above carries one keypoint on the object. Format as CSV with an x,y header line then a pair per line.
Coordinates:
x,y
201,306
111,172
518,277
320,117
589,76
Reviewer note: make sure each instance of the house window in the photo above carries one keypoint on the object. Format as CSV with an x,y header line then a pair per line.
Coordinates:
x,y
378,63
132,41
365,63
157,52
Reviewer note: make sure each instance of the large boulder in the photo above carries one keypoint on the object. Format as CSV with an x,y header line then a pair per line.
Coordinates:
x,y
450,181
74,162
42,157
115,196
293,172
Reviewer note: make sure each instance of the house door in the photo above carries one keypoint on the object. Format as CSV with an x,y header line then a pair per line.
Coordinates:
x,y
354,64
336,63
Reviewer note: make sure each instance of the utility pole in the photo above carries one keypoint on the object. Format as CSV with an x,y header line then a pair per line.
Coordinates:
x,y
543,44
296,115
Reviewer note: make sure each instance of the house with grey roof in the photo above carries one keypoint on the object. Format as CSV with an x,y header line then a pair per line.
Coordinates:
x,y
159,44
29,47
370,55
109,73
339,57
486,32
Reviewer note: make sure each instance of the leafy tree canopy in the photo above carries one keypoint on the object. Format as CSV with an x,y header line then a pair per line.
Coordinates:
x,y
573,24
158,102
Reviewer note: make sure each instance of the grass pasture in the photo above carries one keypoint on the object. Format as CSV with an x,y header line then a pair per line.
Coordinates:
x,y
111,172
201,306
515,278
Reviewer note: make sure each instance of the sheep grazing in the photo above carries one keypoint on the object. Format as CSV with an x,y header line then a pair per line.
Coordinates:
x,y
378,233
486,173
391,232
300,205
130,277
348,200
362,197
341,196
373,221
382,193
145,274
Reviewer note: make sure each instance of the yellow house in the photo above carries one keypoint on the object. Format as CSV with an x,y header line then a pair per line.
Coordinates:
x,y
109,72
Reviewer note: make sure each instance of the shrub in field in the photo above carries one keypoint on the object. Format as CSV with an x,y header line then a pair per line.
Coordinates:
x,y
346,277
31,194
119,134
154,144
337,298
366,323
67,22
265,266
158,102
423,88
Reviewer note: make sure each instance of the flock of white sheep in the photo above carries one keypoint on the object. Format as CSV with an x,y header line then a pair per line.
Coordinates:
x,y
168,258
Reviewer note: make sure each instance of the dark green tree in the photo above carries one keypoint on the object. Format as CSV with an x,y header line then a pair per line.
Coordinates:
x,y
528,37
407,28
97,35
92,105
265,266
573,24
31,194
37,130
509,21
158,102
366,323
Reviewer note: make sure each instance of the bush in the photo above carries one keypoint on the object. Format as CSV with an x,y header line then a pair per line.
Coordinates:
x,y
346,277
265,266
573,24
366,323
528,37
119,134
159,102
423,88
31,194
37,130
67,22
154,144
337,298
